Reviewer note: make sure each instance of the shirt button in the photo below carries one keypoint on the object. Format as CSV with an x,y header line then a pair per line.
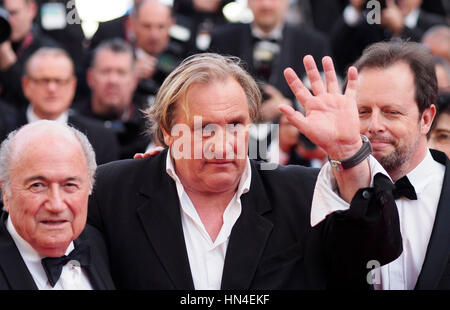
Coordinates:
x,y
366,194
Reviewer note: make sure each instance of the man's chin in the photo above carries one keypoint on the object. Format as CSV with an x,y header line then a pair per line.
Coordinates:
x,y
54,248
222,183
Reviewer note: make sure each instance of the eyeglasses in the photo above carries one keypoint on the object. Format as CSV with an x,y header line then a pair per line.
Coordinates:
x,y
46,81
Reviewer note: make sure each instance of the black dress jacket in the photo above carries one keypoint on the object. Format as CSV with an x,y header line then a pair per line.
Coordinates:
x,y
271,246
14,274
435,273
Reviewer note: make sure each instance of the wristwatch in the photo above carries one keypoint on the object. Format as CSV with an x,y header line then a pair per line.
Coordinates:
x,y
363,153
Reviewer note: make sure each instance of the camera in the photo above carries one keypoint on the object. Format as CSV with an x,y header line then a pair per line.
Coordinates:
x,y
5,27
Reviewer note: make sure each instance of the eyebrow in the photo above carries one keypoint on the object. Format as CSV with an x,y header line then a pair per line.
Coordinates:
x,y
440,130
228,120
42,178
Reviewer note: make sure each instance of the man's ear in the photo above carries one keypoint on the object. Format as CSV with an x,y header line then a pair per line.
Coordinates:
x,y
427,119
33,8
4,197
25,85
133,22
90,77
168,139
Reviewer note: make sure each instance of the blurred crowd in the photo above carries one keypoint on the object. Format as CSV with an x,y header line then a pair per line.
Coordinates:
x,y
101,85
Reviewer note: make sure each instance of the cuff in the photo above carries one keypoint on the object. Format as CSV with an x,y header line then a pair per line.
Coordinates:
x,y
326,199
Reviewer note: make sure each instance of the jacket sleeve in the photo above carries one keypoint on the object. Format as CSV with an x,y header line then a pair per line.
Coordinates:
x,y
366,235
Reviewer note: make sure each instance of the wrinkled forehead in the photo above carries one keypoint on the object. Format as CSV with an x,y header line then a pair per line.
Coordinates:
x,y
51,138
215,101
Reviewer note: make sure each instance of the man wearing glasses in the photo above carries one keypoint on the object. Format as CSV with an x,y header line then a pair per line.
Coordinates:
x,y
49,85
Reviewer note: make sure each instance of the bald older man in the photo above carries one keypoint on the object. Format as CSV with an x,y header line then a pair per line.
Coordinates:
x,y
44,241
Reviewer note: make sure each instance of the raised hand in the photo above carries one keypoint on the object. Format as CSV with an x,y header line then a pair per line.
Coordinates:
x,y
392,18
331,119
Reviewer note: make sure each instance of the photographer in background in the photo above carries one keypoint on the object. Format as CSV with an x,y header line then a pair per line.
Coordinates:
x,y
25,39
204,16
157,53
400,18
112,81
291,147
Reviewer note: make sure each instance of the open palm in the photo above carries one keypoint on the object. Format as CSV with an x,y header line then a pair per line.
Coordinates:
x,y
331,119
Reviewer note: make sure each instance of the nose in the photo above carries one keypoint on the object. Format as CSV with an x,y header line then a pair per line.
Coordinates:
x,y
55,202
375,123
52,85
113,77
220,145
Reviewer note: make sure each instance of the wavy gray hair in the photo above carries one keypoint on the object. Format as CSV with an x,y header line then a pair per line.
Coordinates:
x,y
199,68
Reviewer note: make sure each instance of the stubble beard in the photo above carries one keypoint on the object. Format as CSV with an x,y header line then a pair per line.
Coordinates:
x,y
396,160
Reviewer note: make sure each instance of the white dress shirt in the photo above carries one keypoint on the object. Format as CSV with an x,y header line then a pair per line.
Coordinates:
x,y
72,276
275,34
412,18
416,218
32,117
206,258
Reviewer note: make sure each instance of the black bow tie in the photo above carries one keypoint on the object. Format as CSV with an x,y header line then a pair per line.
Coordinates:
x,y
256,39
53,265
404,188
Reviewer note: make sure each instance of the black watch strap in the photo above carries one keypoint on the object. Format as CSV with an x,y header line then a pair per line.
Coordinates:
x,y
363,153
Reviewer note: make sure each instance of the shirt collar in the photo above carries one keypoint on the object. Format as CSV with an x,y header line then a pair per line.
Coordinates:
x,y
276,34
411,19
32,117
231,213
417,176
244,183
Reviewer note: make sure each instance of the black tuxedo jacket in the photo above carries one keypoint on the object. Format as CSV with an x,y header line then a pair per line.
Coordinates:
x,y
435,273
103,140
14,274
115,28
272,245
8,119
297,42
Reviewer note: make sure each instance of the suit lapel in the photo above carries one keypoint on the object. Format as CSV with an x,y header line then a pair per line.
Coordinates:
x,y
97,271
11,262
161,219
96,278
248,238
437,255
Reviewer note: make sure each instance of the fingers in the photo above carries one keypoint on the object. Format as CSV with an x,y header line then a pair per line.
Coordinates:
x,y
314,76
352,77
271,91
138,156
294,117
330,75
149,153
300,91
390,4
